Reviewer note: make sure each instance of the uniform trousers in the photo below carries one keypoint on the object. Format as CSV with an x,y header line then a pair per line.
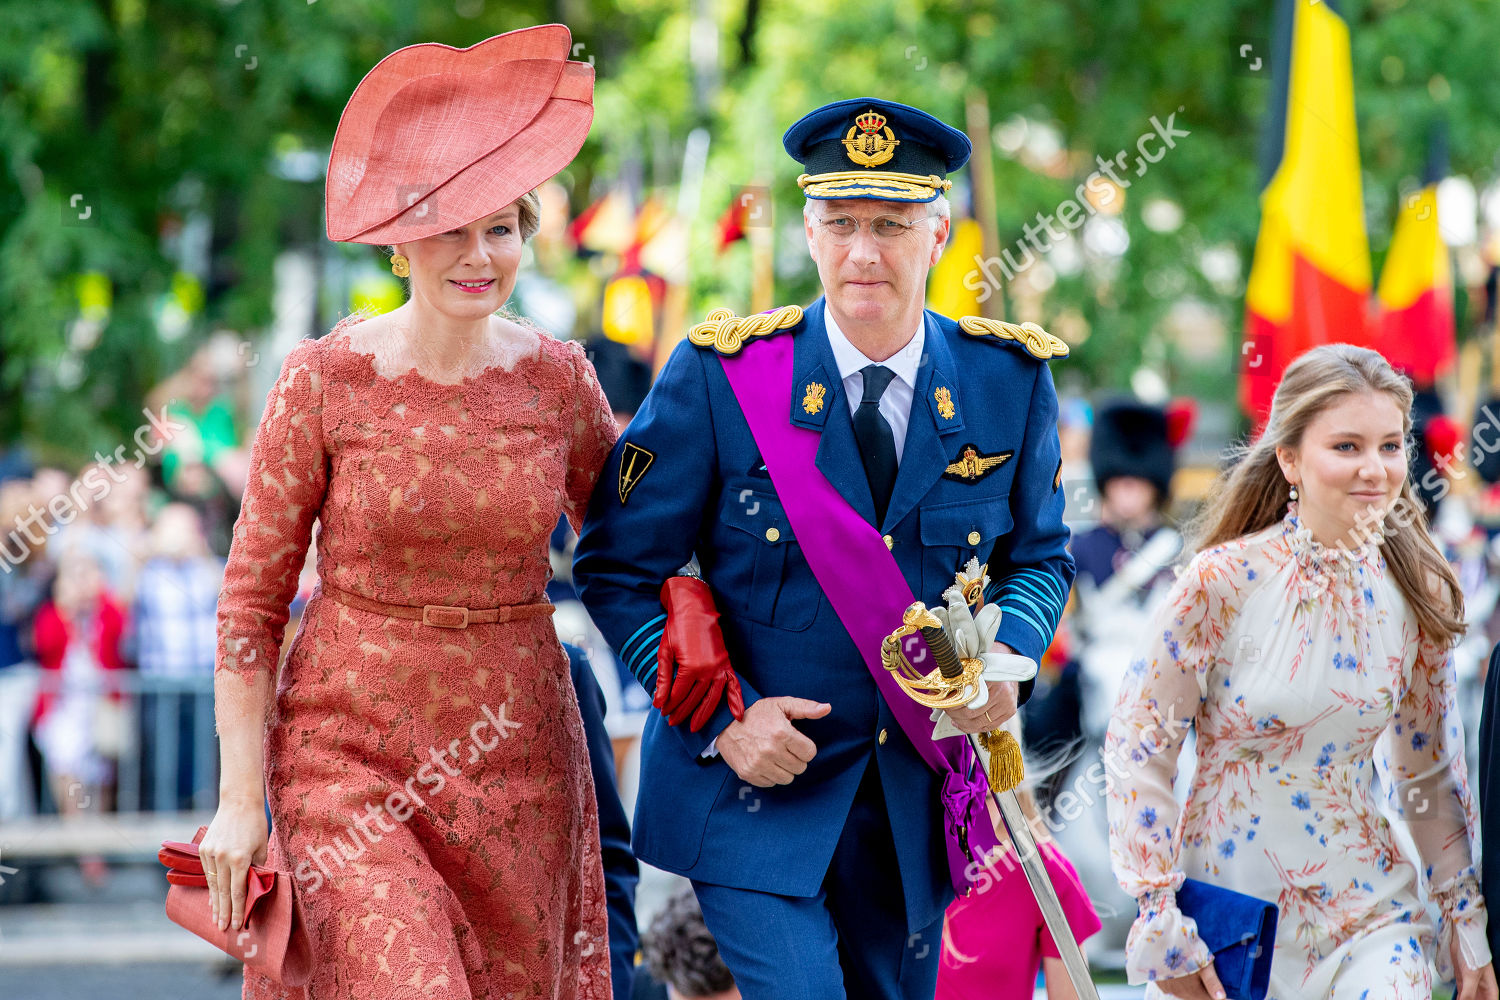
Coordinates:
x,y
849,940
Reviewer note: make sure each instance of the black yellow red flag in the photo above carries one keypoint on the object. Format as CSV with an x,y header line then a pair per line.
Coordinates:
x,y
1310,279
1416,329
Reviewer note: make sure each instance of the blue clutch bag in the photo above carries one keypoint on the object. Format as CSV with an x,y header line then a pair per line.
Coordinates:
x,y
1241,932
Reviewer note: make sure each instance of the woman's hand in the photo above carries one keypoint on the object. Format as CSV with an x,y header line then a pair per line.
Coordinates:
x,y
235,840
1198,985
1473,984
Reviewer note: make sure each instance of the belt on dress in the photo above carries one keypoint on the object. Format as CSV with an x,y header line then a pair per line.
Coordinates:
x,y
440,615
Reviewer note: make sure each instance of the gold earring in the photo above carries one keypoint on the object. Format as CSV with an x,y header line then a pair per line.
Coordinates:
x,y
400,266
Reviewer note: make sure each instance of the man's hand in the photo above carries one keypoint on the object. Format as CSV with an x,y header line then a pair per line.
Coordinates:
x,y
1002,702
1003,698
692,667
764,748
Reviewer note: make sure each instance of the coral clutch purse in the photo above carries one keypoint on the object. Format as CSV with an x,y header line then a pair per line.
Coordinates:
x,y
273,939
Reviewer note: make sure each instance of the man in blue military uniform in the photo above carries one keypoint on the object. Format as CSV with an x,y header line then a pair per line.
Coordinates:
x,y
812,829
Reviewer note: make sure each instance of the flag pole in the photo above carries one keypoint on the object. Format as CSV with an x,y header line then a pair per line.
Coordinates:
x,y
982,180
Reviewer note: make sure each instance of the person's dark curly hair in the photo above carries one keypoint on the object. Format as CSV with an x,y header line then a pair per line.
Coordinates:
x,y
680,951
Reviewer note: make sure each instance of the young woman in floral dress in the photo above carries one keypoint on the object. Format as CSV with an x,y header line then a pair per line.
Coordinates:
x,y
1308,644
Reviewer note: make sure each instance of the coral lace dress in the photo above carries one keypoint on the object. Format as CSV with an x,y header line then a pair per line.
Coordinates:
x,y
429,786
1303,672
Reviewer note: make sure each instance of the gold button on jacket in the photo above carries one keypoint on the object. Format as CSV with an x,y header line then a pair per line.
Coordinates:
x,y
881,738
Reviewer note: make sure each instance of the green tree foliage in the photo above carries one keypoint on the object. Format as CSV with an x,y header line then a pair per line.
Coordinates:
x,y
157,114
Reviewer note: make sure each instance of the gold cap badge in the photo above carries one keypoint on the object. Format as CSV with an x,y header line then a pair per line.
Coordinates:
x,y
869,148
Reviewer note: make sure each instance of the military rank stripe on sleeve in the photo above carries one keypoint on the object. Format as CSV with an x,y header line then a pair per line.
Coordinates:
x,y
639,651
1032,596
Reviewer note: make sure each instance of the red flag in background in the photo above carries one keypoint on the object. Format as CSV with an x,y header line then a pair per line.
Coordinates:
x,y
732,224
1311,275
606,226
1416,329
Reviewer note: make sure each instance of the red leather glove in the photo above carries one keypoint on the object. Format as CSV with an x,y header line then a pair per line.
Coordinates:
x,y
692,666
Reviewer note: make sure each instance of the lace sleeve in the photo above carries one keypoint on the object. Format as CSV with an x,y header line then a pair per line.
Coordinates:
x,y
1159,698
1421,756
284,493
594,434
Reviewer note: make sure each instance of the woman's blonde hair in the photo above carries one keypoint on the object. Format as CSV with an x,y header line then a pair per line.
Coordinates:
x,y
530,207
1253,493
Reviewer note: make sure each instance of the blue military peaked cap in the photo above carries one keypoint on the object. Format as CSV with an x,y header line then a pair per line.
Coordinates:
x,y
874,149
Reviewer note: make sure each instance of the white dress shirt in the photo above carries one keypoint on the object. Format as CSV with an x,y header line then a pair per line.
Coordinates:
x,y
895,402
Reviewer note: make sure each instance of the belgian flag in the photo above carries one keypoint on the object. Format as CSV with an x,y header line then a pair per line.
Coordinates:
x,y
1416,328
1311,276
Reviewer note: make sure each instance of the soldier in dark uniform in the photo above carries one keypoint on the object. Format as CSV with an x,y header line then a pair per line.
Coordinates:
x,y
1124,570
809,822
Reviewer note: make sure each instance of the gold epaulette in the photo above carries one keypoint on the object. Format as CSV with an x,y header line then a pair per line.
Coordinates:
x,y
727,333
1038,342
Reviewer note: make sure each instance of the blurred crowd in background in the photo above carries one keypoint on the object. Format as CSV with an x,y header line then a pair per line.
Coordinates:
x,y
195,242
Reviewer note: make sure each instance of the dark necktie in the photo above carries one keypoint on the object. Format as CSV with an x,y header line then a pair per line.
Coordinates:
x,y
877,445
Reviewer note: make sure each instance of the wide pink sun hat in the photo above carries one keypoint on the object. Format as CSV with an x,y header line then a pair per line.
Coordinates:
x,y
435,137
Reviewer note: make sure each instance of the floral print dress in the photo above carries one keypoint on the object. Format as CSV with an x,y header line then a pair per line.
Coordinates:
x,y
1302,670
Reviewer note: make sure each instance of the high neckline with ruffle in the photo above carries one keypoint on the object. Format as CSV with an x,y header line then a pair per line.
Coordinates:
x,y
1326,563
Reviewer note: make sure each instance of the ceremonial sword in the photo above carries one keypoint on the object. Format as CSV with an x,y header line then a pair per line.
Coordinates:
x,y
1022,840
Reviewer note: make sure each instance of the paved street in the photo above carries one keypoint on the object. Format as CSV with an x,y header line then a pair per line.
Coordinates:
x,y
140,981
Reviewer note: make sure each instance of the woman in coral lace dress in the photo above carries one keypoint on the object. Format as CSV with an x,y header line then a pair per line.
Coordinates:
x,y
1308,645
421,750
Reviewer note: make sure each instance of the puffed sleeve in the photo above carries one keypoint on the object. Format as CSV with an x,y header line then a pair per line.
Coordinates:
x,y
594,434
1421,759
283,496
1162,692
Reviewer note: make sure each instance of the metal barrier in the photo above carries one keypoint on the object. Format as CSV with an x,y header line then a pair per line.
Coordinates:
x,y
166,754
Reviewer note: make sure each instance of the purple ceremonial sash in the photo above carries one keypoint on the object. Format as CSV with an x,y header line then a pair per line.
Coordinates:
x,y
864,584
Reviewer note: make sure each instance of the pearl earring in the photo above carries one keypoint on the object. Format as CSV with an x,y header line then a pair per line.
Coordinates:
x,y
1293,496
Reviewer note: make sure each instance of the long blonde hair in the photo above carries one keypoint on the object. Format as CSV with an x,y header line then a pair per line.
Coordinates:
x,y
1253,493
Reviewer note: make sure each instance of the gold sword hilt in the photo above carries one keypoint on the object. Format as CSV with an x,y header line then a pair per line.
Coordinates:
x,y
952,685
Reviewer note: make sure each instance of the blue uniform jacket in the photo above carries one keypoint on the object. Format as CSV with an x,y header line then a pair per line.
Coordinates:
x,y
686,478
621,873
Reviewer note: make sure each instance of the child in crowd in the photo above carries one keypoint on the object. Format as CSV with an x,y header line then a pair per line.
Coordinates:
x,y
77,723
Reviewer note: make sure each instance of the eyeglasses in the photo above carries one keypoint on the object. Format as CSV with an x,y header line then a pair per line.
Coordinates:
x,y
840,229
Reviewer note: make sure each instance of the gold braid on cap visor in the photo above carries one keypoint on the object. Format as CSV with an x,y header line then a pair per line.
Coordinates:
x,y
862,183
